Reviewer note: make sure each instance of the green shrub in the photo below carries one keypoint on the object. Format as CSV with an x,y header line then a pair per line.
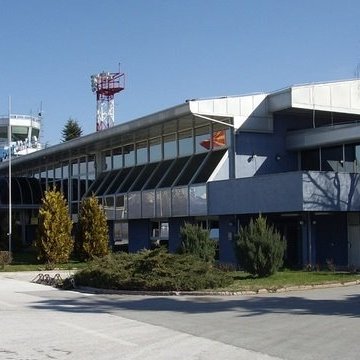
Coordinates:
x,y
54,242
154,270
92,238
259,248
196,241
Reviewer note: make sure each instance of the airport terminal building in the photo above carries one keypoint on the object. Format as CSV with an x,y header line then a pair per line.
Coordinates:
x,y
292,155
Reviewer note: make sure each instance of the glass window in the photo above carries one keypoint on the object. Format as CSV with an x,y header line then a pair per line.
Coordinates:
x,y
109,207
121,207
129,155
107,157
310,160
142,152
180,201
202,139
82,168
91,167
155,150
148,204
170,150
118,158
134,205
58,172
332,158
121,233
163,202
198,202
186,145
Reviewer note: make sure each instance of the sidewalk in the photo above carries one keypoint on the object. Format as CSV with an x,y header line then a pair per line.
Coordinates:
x,y
30,275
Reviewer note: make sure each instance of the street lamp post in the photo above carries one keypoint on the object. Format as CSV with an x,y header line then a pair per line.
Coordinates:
x,y
9,159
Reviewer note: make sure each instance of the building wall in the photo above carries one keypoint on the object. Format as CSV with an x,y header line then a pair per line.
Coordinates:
x,y
264,153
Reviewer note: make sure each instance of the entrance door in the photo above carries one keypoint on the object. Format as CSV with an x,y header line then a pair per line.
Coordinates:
x,y
354,245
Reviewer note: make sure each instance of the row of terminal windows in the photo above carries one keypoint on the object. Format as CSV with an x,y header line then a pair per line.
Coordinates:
x,y
341,158
195,141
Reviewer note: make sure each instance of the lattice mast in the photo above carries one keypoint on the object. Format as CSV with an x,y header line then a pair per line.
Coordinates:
x,y
106,85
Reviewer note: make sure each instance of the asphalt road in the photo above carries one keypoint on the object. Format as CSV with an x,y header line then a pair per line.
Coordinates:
x,y
40,322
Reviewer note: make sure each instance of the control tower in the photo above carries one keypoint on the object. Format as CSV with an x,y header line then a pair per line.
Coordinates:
x,y
25,131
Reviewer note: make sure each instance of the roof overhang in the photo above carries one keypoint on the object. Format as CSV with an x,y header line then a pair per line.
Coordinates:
x,y
341,97
177,118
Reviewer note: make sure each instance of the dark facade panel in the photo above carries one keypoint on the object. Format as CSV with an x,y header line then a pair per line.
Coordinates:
x,y
259,194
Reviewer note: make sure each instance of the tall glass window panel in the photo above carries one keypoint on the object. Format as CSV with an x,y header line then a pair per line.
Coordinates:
x,y
198,200
75,177
202,139
141,152
118,158
180,201
121,233
155,150
148,204
163,202
83,176
50,176
91,168
121,206
58,173
109,207
134,205
220,136
186,143
129,155
310,160
108,160
350,163
170,149
332,159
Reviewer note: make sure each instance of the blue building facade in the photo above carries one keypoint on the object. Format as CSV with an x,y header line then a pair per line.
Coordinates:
x,y
292,155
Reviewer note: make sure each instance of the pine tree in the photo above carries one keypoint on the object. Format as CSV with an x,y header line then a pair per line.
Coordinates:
x,y
71,130
92,233
260,248
54,242
196,241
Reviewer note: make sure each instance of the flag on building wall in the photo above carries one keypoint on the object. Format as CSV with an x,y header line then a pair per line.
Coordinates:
x,y
218,140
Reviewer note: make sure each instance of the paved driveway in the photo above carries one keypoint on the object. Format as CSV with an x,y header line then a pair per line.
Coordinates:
x,y
39,322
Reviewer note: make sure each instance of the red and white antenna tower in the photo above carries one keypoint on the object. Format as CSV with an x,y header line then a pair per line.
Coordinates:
x,y
106,85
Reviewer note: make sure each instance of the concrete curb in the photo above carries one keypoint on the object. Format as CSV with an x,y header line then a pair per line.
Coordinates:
x,y
214,293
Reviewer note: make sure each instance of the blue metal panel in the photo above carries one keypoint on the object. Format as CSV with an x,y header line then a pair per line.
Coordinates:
x,y
227,231
266,194
139,235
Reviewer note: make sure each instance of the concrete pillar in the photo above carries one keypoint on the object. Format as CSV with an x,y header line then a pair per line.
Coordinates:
x,y
175,225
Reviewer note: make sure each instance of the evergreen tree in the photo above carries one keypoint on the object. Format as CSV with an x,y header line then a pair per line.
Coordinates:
x,y
260,248
54,242
71,130
92,233
196,241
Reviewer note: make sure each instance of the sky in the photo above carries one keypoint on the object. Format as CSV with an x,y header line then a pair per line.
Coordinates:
x,y
169,50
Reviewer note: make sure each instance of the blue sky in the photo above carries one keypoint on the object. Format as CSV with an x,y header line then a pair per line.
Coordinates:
x,y
170,51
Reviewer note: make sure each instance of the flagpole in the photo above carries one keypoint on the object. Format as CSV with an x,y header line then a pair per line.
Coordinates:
x,y
10,199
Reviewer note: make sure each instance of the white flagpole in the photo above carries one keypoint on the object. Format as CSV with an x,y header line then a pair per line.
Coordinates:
x,y
10,199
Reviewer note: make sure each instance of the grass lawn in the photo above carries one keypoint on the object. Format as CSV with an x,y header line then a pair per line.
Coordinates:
x,y
287,278
27,261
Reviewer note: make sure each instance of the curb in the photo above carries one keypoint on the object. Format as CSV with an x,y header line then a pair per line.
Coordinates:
x,y
214,293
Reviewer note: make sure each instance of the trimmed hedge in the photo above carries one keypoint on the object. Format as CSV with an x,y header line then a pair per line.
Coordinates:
x,y
154,270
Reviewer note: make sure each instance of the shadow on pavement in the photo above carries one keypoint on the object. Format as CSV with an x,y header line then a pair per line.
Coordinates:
x,y
349,306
